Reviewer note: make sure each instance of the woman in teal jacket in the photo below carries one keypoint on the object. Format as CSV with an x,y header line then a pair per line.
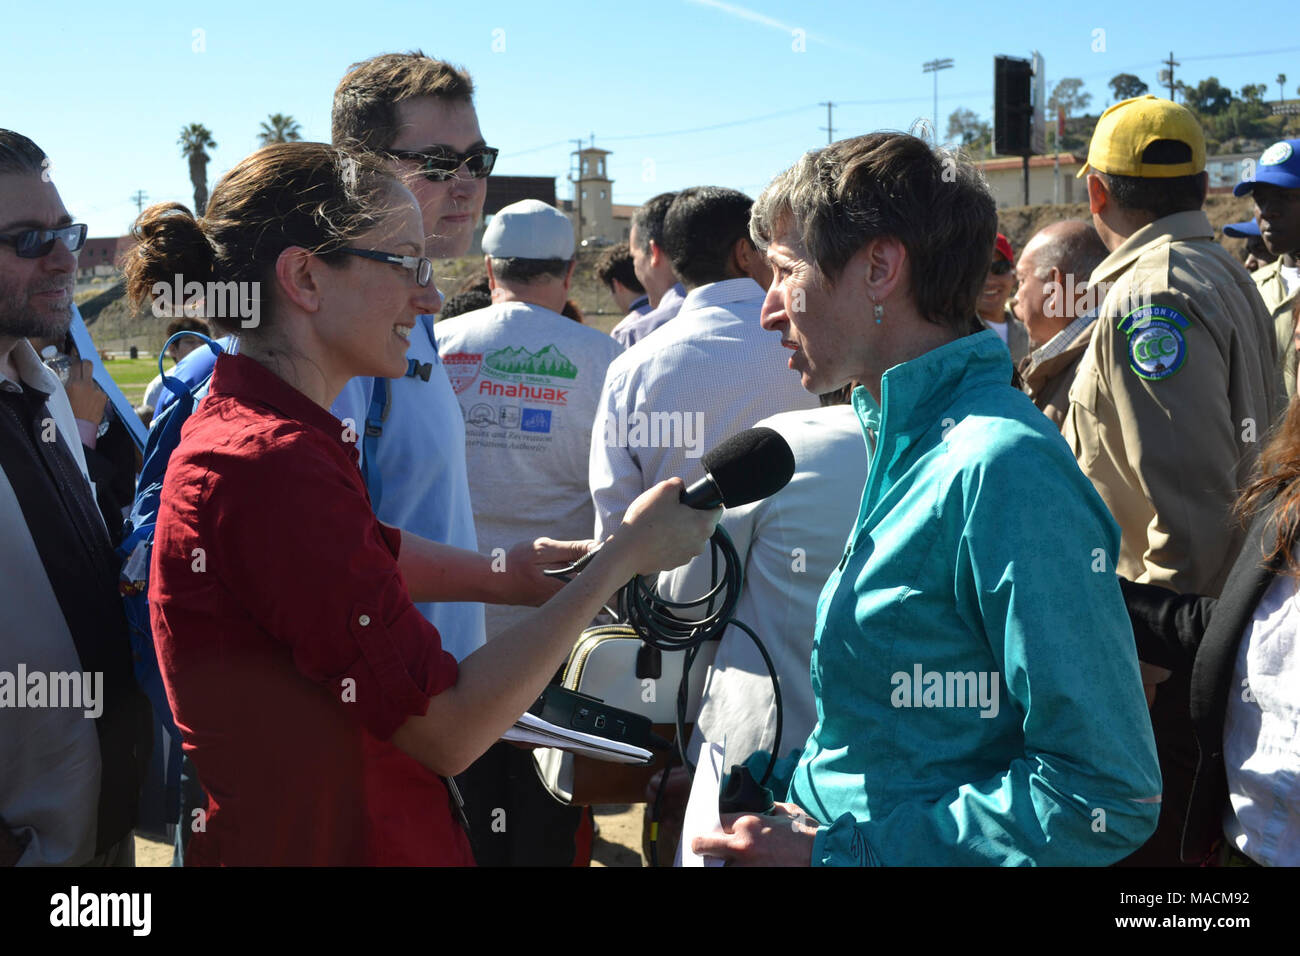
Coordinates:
x,y
978,695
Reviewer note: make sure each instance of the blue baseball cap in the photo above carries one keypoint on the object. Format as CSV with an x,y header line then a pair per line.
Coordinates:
x,y
1242,230
1278,166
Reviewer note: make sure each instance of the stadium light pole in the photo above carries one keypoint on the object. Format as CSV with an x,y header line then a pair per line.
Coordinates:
x,y
934,66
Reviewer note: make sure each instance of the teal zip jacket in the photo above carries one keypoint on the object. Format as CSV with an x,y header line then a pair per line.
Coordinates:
x,y
978,694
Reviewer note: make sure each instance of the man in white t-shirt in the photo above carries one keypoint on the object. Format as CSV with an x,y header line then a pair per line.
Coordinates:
x,y
527,379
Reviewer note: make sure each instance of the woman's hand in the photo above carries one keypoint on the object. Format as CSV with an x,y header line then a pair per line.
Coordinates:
x,y
659,532
783,837
525,562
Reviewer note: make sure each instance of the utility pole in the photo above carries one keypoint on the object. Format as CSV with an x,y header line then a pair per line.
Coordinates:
x,y
139,198
1171,63
829,127
934,66
577,185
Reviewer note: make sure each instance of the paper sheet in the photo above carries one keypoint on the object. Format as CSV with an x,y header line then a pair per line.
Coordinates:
x,y
530,729
702,815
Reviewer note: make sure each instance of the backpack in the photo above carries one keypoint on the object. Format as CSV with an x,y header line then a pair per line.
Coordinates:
x,y
133,583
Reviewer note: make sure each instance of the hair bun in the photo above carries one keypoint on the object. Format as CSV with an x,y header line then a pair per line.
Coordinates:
x,y
171,246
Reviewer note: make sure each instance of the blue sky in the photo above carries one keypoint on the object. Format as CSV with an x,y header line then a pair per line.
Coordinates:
x,y
105,88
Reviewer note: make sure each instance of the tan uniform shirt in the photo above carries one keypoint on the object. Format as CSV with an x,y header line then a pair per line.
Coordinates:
x,y
1172,398
1268,279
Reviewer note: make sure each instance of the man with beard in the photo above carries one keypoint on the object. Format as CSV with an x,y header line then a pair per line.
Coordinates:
x,y
74,729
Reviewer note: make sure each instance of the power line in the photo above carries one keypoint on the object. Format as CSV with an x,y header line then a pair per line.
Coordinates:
x,y
830,126
705,129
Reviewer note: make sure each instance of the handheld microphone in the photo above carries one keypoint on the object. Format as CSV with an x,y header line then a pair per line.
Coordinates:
x,y
747,467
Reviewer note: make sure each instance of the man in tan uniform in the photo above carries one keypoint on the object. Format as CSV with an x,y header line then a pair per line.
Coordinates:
x,y
1175,391
1274,185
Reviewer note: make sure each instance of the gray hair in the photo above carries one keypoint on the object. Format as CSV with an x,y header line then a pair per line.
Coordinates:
x,y
1072,246
934,202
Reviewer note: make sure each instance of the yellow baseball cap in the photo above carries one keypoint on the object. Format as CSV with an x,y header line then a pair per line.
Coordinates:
x,y
1130,126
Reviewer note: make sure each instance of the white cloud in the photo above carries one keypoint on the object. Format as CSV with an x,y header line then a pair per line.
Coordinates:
x,y
753,16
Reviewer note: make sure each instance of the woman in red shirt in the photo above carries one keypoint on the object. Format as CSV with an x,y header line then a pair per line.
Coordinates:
x,y
316,702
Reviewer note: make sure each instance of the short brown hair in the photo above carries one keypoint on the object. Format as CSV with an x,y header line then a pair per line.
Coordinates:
x,y
291,194
616,263
890,184
365,103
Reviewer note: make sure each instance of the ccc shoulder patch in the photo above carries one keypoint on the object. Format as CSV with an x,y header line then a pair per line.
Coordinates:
x,y
1157,347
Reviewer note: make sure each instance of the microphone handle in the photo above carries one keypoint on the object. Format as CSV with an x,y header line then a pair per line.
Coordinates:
x,y
703,495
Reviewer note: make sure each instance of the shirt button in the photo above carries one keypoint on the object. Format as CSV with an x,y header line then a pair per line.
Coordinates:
x,y
364,620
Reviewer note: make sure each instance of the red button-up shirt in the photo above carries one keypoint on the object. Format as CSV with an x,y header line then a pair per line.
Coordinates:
x,y
289,646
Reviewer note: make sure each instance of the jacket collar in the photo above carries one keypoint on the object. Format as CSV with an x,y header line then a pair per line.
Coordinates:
x,y
1180,226
248,380
914,395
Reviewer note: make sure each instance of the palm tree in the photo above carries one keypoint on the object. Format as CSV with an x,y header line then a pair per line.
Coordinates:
x,y
195,140
279,128
1281,90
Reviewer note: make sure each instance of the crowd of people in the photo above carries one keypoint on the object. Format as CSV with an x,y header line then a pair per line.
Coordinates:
x,y
1030,596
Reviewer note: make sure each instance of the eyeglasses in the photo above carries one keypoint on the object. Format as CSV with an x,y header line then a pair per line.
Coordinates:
x,y
35,243
422,267
1000,268
441,163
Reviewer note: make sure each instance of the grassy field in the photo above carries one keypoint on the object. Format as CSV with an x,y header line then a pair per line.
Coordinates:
x,y
133,375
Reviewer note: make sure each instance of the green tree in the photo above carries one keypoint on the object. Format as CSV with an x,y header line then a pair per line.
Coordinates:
x,y
278,128
1068,94
1254,92
1208,96
194,142
965,127
1125,86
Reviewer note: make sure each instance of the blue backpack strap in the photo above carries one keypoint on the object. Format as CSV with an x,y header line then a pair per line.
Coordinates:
x,y
377,414
374,429
427,322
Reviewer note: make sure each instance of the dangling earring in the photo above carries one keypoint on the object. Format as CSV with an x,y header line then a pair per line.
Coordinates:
x,y
878,311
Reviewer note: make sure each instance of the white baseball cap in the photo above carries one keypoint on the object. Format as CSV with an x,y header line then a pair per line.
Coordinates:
x,y
529,229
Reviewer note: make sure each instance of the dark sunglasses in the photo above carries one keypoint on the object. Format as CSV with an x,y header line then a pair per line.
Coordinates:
x,y
422,267
35,243
440,163
1000,268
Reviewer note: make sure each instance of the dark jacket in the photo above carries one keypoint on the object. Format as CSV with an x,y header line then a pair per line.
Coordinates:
x,y
1188,632
1048,382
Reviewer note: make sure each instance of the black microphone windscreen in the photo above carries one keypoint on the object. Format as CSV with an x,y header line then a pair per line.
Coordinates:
x,y
750,466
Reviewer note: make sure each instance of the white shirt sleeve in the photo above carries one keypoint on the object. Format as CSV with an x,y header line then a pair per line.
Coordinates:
x,y
614,472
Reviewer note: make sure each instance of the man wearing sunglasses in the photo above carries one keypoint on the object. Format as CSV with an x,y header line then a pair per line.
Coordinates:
x,y
992,303
419,113
68,791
